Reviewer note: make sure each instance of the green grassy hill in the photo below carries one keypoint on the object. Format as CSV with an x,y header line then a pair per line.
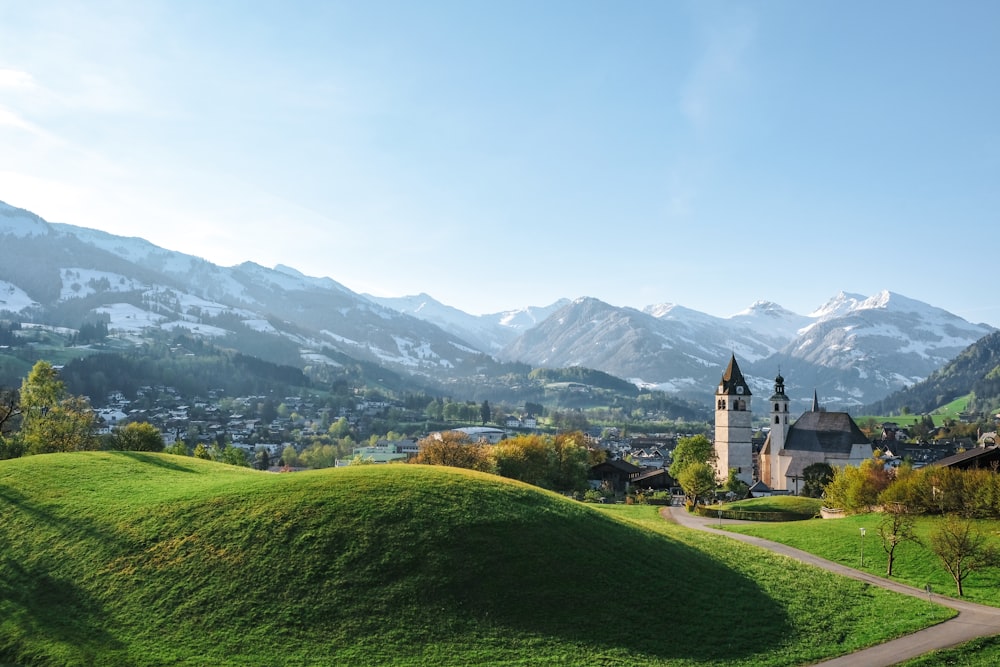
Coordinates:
x,y
145,559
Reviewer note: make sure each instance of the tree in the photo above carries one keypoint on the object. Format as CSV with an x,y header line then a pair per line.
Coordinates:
x,y
815,477
10,419
962,548
137,437
696,449
234,456
289,456
263,459
453,448
857,489
697,479
201,452
54,421
484,412
177,449
735,485
896,527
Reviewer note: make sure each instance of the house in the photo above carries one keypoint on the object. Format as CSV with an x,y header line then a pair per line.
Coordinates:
x,y
483,434
976,458
615,475
656,479
817,436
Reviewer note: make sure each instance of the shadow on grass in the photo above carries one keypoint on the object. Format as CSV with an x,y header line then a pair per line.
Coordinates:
x,y
567,576
159,460
54,620
625,589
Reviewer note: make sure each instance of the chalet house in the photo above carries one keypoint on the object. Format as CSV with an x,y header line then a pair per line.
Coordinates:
x,y
979,457
615,475
658,479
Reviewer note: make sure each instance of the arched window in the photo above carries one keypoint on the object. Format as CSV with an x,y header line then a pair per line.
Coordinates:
x,y
777,419
777,408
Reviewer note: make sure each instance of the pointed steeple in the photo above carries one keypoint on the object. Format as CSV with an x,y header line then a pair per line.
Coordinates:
x,y
732,380
815,407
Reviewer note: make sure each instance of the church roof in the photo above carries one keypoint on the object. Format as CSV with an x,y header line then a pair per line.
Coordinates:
x,y
732,380
827,432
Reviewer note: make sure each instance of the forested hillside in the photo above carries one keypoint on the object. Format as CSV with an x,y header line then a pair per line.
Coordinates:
x,y
976,370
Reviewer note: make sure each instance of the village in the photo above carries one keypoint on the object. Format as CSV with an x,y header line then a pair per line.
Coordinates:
x,y
264,428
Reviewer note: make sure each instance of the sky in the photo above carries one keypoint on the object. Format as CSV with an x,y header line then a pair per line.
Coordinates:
x,y
497,154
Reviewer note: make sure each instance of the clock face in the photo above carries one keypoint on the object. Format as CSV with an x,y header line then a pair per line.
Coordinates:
x,y
739,390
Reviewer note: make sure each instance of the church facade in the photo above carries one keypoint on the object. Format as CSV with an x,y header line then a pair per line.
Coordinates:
x,y
790,447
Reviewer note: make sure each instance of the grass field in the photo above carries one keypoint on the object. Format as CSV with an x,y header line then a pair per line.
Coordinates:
x,y
950,410
145,559
794,504
840,541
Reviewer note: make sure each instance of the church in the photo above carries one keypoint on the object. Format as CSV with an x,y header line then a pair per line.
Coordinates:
x,y
816,436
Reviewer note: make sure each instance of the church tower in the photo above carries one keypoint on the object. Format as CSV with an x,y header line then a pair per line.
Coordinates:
x,y
732,425
779,433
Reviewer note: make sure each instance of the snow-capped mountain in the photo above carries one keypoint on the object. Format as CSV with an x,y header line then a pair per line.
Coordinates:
x,y
859,349
489,333
852,350
65,273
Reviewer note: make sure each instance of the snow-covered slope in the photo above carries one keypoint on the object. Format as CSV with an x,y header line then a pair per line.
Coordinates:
x,y
489,333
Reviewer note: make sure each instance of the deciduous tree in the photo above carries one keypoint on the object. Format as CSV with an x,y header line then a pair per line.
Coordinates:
x,y
137,437
54,421
696,449
815,477
896,527
453,448
697,480
962,549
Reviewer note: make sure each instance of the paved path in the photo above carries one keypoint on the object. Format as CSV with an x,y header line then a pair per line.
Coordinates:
x,y
973,620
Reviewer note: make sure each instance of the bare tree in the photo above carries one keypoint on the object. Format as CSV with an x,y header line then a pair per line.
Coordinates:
x,y
962,548
896,527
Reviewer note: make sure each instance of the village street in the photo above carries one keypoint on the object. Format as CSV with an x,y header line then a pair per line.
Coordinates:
x,y
973,620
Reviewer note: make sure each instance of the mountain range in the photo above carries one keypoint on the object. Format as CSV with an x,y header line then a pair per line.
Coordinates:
x,y
852,351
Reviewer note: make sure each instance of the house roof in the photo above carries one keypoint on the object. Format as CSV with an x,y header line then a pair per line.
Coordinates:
x,y
827,432
653,474
618,465
732,380
970,458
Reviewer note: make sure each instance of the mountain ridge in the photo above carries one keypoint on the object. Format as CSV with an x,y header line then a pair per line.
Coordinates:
x,y
853,349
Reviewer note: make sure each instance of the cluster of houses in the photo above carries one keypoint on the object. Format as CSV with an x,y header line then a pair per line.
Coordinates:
x,y
771,460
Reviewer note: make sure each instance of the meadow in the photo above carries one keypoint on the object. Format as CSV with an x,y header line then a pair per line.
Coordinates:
x,y
149,559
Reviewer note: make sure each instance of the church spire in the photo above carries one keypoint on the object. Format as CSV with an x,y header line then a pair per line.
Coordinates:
x,y
815,407
733,381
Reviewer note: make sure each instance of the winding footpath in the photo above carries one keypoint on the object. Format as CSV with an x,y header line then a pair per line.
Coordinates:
x,y
973,620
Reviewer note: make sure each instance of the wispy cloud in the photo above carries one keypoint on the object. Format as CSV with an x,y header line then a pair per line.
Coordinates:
x,y
720,67
15,78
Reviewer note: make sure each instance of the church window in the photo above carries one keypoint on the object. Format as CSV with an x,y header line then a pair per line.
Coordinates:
x,y
777,419
777,407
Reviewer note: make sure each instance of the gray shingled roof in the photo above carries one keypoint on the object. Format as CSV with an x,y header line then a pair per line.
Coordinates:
x,y
828,432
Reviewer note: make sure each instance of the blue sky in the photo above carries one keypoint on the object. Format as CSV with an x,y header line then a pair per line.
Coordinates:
x,y
503,154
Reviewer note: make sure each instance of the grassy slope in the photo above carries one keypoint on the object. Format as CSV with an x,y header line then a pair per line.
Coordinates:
x,y
793,504
839,540
115,558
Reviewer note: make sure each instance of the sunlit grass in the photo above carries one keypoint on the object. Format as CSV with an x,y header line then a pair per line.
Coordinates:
x,y
146,559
